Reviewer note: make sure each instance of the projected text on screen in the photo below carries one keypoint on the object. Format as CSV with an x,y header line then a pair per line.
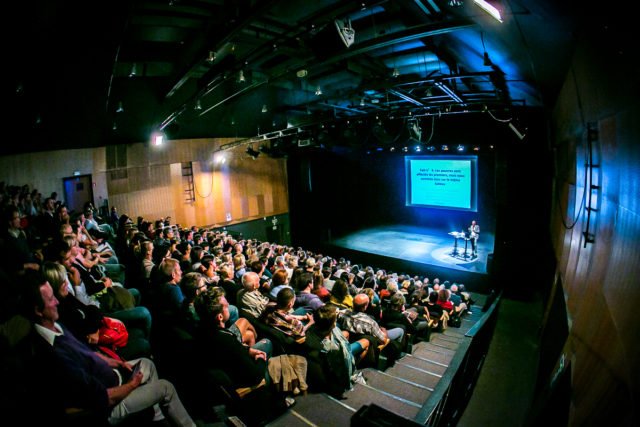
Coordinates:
x,y
441,182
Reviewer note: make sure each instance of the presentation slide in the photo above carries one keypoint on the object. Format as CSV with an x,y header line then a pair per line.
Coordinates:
x,y
445,182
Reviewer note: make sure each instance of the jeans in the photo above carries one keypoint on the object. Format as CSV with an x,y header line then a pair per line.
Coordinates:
x,y
160,394
395,334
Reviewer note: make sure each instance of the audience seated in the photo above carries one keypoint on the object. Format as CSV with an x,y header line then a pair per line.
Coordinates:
x,y
93,382
331,362
331,307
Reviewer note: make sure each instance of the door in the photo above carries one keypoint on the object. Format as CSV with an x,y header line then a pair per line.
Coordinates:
x,y
77,191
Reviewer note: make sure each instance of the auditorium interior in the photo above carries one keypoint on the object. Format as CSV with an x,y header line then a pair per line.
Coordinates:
x,y
311,125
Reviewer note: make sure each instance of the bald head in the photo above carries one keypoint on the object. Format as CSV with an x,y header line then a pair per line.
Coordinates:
x,y
250,281
360,302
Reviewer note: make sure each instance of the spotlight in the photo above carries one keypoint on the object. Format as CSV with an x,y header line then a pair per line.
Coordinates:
x,y
431,148
489,8
253,153
460,147
133,71
241,78
405,149
476,148
418,149
120,108
345,31
444,147
318,91
264,108
157,139
395,72
519,133
198,105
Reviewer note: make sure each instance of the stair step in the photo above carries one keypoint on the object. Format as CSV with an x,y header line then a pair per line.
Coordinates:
x,y
447,338
420,376
431,353
452,332
426,365
316,409
362,395
437,347
400,387
438,342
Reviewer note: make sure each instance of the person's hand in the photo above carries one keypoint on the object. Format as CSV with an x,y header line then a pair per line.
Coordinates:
x,y
257,354
107,282
135,380
74,276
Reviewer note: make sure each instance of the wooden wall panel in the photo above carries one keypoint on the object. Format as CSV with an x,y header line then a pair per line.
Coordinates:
x,y
601,281
240,186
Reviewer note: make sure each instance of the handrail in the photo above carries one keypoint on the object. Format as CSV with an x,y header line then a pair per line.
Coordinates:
x,y
431,412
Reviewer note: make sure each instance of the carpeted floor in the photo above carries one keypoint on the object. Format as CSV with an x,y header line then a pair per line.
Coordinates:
x,y
504,391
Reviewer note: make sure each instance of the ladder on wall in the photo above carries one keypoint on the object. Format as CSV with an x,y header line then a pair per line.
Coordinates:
x,y
188,184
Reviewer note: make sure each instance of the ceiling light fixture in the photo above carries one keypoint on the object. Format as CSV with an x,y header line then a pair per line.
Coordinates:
x,y
490,9
395,72
211,57
264,108
120,108
157,139
345,31
318,91
362,104
241,78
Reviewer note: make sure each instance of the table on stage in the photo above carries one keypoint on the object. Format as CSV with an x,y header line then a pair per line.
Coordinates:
x,y
459,235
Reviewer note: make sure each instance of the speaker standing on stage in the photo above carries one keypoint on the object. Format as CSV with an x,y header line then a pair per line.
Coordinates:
x,y
474,233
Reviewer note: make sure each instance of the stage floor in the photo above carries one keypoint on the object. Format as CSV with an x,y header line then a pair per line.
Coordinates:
x,y
422,245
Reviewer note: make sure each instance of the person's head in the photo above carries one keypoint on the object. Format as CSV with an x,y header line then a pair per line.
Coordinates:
x,y
340,290
392,286
360,302
285,299
257,266
250,281
192,284
279,277
56,274
310,263
454,288
325,319
318,280
39,302
238,261
473,222
397,301
146,249
170,268
212,307
226,271
369,292
304,281
197,252
12,216
443,295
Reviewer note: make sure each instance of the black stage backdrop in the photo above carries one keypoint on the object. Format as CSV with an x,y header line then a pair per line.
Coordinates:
x,y
336,190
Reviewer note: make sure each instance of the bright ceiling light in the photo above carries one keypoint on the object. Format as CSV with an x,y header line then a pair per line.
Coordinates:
x,y
490,9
